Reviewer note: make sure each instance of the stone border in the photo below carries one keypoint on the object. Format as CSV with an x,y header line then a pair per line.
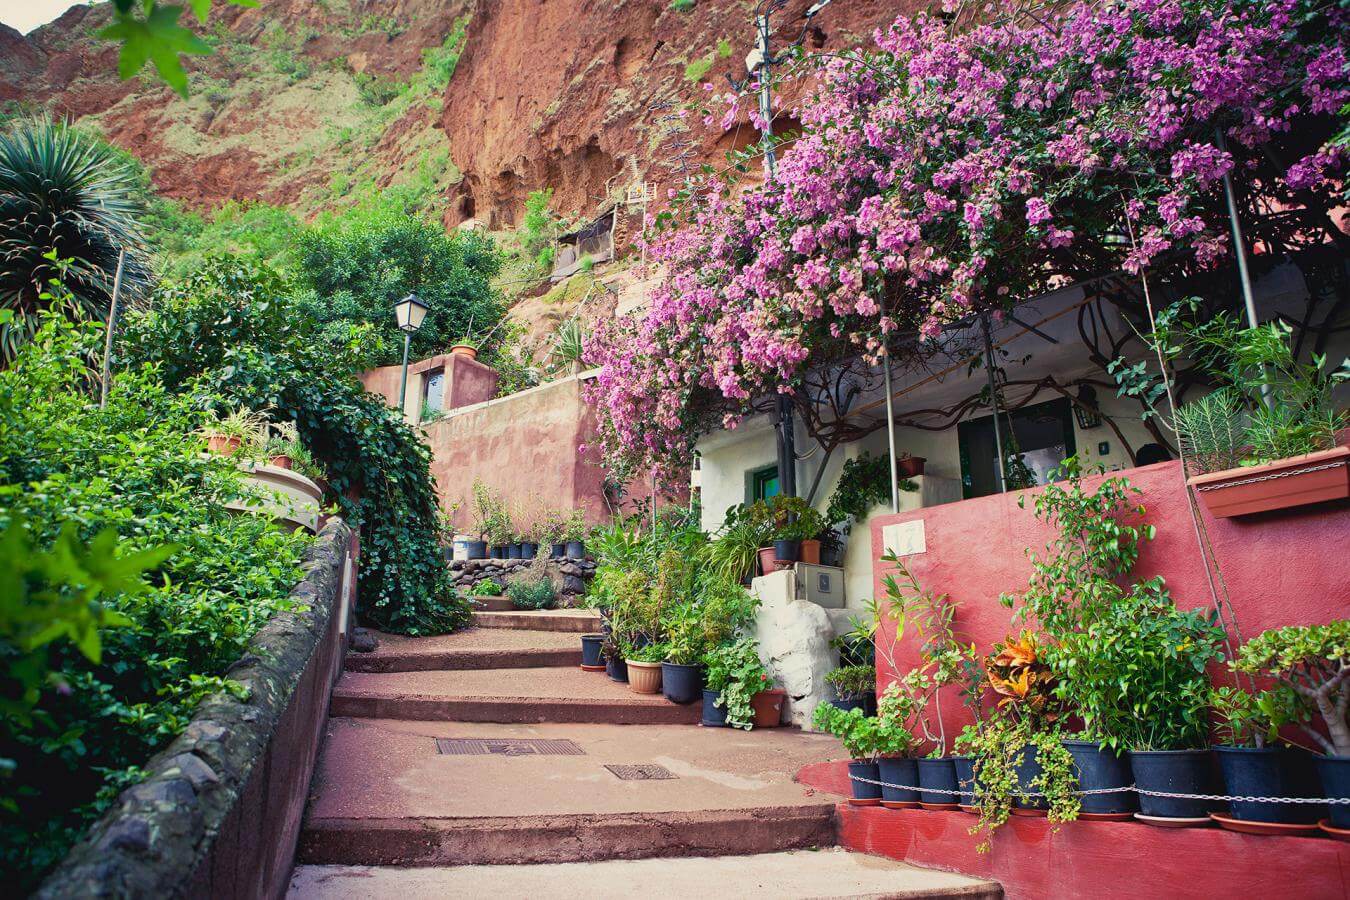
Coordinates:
x,y
570,576
219,811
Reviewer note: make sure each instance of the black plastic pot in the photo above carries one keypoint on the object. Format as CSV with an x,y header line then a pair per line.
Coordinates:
x,y
477,549
1335,774
576,549
680,683
1265,772
862,790
898,771
498,551
513,551
528,550
1098,768
787,551
847,703
1176,771
965,779
557,551
1028,770
590,649
617,669
934,775
714,716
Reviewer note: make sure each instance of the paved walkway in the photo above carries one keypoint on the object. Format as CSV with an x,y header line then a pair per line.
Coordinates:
x,y
449,757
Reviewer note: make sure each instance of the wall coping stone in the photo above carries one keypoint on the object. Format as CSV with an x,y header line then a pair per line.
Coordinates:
x,y
158,833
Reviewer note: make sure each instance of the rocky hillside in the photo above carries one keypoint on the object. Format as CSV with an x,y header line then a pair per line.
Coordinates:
x,y
305,98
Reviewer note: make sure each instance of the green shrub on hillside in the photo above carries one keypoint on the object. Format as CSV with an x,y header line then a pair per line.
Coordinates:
x,y
72,476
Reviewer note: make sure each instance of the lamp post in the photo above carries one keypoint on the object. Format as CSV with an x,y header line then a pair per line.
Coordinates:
x,y
409,313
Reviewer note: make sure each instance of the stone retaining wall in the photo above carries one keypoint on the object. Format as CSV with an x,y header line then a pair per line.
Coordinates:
x,y
569,575
219,811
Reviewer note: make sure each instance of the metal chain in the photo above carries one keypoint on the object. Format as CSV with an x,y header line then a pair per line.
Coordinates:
x,y
1339,801
1256,479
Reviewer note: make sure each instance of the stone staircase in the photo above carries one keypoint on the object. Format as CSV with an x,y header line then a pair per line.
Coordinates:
x,y
447,757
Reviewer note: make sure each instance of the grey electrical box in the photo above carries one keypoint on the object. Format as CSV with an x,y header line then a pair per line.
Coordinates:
x,y
822,585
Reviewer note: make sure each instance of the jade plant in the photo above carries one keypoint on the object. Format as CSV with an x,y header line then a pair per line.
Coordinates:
x,y
1311,662
851,682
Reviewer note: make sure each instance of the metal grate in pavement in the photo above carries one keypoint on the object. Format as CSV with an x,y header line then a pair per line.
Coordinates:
x,y
507,747
643,772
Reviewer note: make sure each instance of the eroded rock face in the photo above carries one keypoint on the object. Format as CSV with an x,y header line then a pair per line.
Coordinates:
x,y
577,95
794,644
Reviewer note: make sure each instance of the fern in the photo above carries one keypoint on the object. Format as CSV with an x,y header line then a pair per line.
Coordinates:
x,y
1212,430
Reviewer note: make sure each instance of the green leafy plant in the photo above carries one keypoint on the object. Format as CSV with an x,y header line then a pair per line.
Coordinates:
x,y
64,191
647,653
1243,718
852,681
243,423
736,673
860,734
486,588
535,594
1311,663
575,527
745,528
864,482
793,519
538,228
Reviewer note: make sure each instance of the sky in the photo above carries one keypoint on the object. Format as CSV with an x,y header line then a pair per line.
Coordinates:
x,y
25,15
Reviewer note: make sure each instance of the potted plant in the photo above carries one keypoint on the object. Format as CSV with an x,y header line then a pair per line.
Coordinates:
x,y
861,737
488,515
1253,761
466,346
550,533
1266,440
794,520
644,667
239,429
864,483
907,466
744,530
735,675
1311,668
283,445
592,660
574,533
854,687
682,670
896,713
965,756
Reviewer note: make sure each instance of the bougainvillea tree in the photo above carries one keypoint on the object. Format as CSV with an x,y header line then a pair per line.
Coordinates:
x,y
949,170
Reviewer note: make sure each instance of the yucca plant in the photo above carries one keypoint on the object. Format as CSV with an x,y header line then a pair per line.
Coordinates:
x,y
67,199
569,342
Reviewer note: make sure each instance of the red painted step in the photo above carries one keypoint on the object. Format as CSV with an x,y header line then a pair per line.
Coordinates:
x,y
504,695
576,621
474,648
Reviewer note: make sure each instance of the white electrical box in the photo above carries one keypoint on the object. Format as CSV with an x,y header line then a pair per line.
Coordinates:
x,y
822,585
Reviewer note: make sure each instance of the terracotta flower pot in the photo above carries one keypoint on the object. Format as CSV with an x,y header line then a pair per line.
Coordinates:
x,y
1298,480
910,466
224,444
282,461
464,350
767,558
644,677
811,552
768,706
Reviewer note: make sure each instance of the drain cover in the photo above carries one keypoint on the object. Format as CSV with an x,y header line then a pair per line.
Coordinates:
x,y
507,747
644,772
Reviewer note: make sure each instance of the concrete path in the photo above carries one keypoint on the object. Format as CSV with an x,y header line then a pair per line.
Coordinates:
x,y
446,758
827,873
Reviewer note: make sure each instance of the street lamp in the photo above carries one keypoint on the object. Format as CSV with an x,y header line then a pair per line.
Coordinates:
x,y
409,313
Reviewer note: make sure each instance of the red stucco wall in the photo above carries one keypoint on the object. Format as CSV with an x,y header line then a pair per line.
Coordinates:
x,y
1281,568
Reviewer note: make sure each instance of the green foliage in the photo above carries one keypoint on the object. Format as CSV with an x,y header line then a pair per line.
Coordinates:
x,y
438,63
486,588
538,229
999,748
250,230
231,328
864,481
353,266
536,594
1313,663
1211,430
852,681
861,735
569,341
736,673
696,69
73,476
1246,719
64,191
682,5
731,555
149,30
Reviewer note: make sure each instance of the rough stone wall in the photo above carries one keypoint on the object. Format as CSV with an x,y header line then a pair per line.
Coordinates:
x,y
219,811
570,575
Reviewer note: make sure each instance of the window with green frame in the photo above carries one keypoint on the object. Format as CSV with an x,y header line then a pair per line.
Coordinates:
x,y
761,484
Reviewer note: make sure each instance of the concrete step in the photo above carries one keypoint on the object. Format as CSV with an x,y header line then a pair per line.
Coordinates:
x,y
832,873
503,695
496,603
384,795
576,621
473,648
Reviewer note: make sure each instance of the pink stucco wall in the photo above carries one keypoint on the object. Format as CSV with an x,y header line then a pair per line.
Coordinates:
x,y
1281,568
467,381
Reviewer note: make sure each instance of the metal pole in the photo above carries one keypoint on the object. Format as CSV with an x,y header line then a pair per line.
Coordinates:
x,y
787,450
403,386
993,401
112,324
890,427
1239,243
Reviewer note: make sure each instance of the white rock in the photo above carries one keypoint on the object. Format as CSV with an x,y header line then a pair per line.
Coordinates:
x,y
794,644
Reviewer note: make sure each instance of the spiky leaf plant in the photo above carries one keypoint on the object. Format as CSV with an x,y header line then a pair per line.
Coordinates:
x,y
64,195
1212,431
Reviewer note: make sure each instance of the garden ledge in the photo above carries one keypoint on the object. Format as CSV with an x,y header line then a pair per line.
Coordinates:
x,y
218,813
